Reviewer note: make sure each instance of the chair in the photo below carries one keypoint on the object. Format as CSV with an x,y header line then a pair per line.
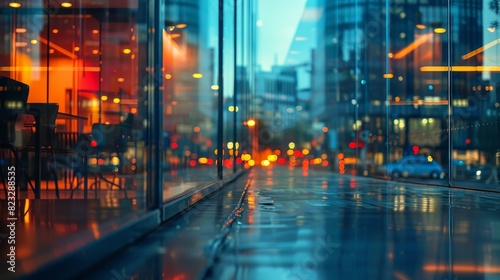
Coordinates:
x,y
108,143
47,124
13,99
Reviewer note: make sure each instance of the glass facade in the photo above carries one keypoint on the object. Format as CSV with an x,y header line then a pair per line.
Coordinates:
x,y
134,106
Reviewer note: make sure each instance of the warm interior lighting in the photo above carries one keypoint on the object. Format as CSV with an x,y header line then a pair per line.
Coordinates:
x,y
104,98
480,49
77,49
120,80
413,45
439,30
460,68
127,51
175,35
21,30
15,4
34,42
168,76
197,75
389,76
52,68
420,26
95,51
181,25
66,5
214,87
116,100
55,31
491,29
95,31
21,44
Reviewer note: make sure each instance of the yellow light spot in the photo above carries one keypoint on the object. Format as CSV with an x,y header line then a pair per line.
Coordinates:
x,y
272,158
34,42
197,75
389,76
214,87
15,4
251,122
104,97
127,51
116,100
168,76
439,30
115,160
291,145
66,5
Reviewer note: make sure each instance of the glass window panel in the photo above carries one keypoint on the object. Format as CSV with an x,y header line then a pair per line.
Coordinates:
x,y
86,59
475,104
190,67
229,107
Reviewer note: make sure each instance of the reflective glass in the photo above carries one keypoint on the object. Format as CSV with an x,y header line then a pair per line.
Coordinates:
x,y
85,119
384,81
190,95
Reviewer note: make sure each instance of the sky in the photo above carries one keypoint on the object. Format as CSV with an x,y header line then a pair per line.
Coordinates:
x,y
278,20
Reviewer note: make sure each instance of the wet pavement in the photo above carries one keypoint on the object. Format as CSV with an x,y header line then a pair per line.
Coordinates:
x,y
284,223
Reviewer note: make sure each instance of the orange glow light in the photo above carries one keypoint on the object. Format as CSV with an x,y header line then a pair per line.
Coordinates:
x,y
412,46
251,122
66,5
480,49
462,268
460,68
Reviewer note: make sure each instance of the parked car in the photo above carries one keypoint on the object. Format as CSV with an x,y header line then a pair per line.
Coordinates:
x,y
414,166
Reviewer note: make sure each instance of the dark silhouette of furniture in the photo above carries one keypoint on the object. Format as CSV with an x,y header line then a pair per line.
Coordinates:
x,y
46,133
13,100
107,143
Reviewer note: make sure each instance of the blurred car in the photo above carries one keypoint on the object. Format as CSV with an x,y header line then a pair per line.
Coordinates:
x,y
413,166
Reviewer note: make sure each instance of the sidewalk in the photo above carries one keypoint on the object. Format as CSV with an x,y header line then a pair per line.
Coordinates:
x,y
293,225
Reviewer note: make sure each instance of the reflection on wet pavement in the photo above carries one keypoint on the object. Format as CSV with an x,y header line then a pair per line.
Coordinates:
x,y
322,226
